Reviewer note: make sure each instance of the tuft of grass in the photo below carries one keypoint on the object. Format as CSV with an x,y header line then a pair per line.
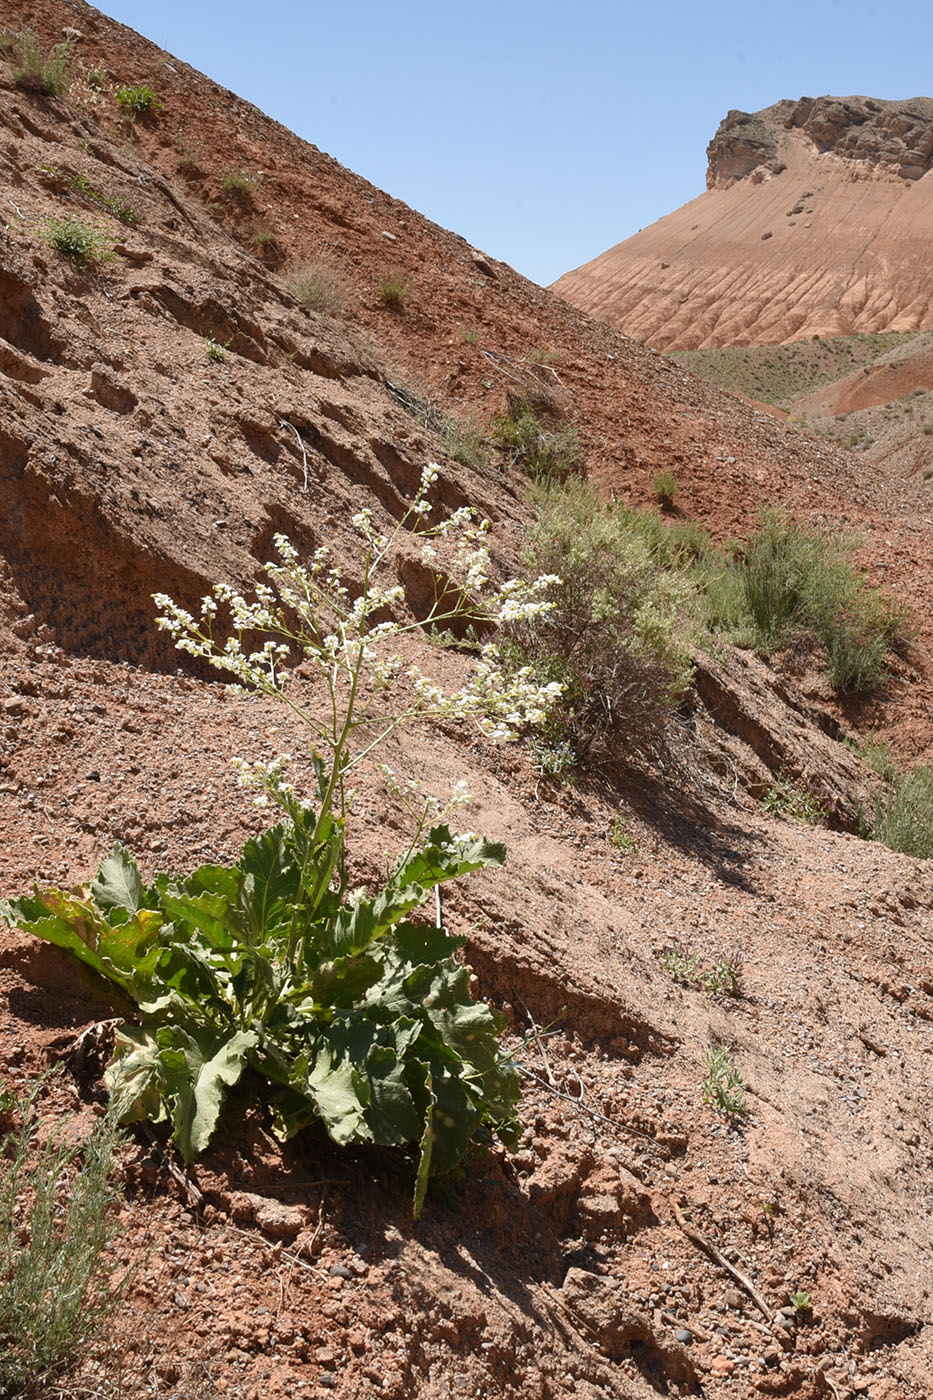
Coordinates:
x,y
904,813
394,289
799,582
664,488
237,184
82,242
57,1219
550,454
136,101
318,286
40,70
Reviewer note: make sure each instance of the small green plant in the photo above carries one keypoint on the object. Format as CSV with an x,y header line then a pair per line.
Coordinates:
x,y
237,184
318,286
619,836
355,1015
57,1219
136,101
465,441
81,184
721,978
800,1300
215,350
394,289
724,978
40,71
96,78
785,799
82,242
549,454
469,335
553,759
723,1087
680,965
664,488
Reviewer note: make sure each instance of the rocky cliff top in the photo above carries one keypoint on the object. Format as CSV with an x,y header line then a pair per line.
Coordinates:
x,y
895,135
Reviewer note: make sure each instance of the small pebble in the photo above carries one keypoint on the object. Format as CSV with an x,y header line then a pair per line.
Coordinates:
x,y
683,1335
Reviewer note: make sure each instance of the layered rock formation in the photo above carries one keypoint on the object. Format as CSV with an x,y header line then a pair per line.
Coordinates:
x,y
816,221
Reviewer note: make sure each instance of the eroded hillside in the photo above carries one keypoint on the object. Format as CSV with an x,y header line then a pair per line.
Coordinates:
x,y
639,1243
815,222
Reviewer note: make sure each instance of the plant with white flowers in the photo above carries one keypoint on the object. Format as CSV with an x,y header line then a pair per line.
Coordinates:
x,y
357,1016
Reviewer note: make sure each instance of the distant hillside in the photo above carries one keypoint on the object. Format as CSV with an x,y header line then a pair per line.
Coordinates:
x,y
816,221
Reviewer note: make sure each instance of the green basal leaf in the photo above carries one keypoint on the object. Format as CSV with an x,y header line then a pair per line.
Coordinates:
x,y
118,887
125,954
343,982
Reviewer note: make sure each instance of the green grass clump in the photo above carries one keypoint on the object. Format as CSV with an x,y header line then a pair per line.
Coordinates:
x,y
545,453
136,101
800,582
119,208
618,634
904,813
394,290
40,70
664,489
318,286
56,1221
83,242
237,184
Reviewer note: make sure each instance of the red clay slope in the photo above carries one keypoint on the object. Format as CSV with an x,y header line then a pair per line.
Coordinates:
x,y
816,221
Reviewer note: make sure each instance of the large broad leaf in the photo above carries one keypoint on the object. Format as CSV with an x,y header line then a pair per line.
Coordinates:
x,y
271,882
117,889
125,954
194,1069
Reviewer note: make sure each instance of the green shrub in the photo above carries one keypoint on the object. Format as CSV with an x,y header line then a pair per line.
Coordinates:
x,y
904,813
84,243
40,71
237,184
56,1220
799,582
547,453
317,285
81,184
394,289
465,441
136,101
617,634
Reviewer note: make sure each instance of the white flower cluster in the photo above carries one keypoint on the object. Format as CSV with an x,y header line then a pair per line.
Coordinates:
x,y
306,610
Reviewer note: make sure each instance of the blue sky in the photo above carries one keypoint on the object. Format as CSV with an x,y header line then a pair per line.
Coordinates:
x,y
542,132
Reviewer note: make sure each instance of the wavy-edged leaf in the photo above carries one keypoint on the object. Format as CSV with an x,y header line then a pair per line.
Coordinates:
x,y
125,954
118,886
426,1147
195,1068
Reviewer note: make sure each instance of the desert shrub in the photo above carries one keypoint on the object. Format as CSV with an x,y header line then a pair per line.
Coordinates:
x,y
904,813
394,289
465,441
119,208
544,452
56,1221
318,286
800,582
83,242
355,1015
237,184
136,101
40,70
616,637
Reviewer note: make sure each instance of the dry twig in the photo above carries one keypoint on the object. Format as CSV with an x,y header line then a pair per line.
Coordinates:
x,y
719,1258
